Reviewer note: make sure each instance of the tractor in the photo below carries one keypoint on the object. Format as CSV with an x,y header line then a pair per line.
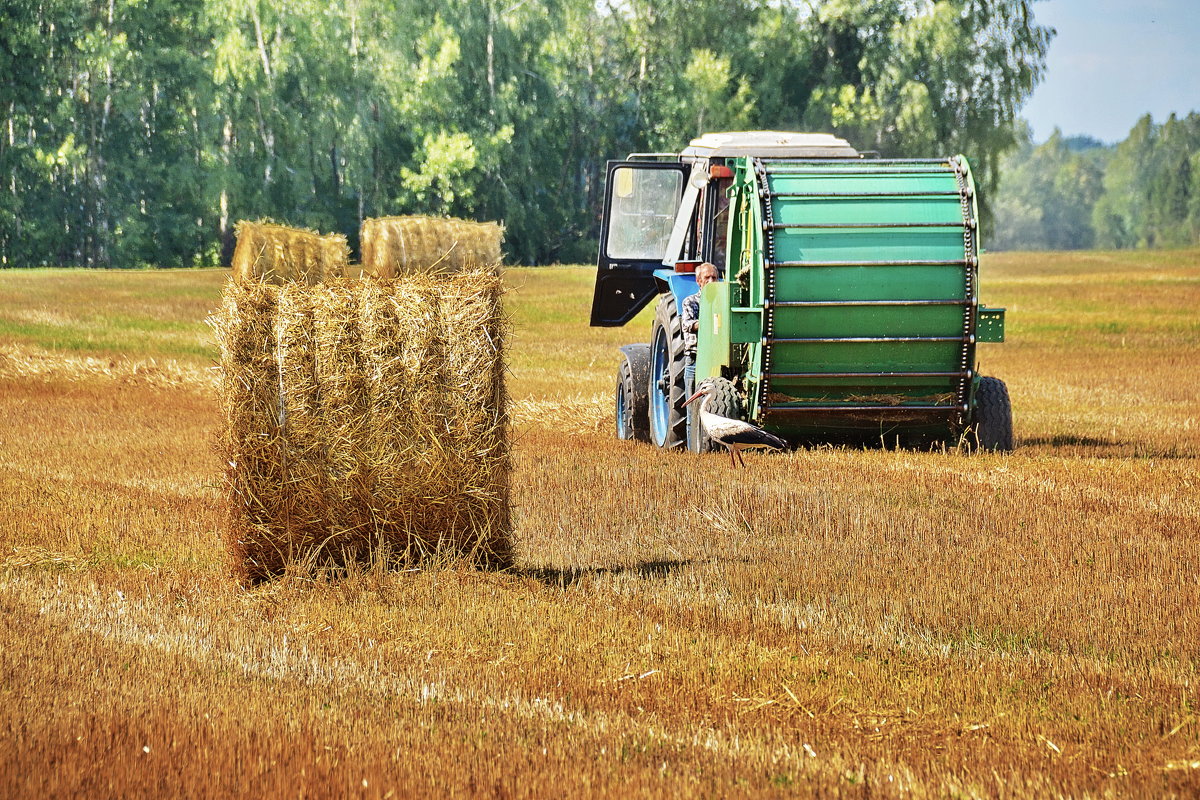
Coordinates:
x,y
848,305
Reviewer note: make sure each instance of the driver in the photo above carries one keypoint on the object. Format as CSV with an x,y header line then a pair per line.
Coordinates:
x,y
690,314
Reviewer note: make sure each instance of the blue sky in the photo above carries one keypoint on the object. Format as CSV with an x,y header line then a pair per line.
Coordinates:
x,y
1112,62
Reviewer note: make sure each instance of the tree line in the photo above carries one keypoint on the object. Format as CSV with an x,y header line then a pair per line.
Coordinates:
x,y
1072,193
137,132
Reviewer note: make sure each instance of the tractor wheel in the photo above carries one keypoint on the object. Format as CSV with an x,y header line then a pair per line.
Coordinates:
x,y
667,384
633,405
993,416
726,403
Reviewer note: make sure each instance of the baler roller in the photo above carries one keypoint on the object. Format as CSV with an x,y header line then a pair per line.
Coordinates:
x,y
958,262
824,162
803,375
865,303
898,344
866,339
865,409
776,226
860,195
868,172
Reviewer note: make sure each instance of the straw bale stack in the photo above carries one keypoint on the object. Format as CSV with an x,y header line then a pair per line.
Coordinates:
x,y
393,246
366,421
276,254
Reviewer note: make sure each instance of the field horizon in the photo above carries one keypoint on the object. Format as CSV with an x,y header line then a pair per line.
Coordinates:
x,y
851,622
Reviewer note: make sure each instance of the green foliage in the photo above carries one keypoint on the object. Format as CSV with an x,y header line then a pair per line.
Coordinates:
x,y
1047,195
139,131
1076,193
930,77
710,98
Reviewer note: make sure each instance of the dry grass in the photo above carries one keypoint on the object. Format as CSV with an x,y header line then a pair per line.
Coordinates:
x,y
827,622
18,361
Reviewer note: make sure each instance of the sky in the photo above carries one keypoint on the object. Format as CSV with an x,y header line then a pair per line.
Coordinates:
x,y
1114,61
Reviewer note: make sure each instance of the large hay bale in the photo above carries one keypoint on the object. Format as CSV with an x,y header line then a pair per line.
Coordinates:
x,y
393,246
277,254
366,421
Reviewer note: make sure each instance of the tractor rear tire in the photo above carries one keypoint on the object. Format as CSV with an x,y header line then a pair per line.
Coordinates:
x,y
667,383
725,403
993,416
633,405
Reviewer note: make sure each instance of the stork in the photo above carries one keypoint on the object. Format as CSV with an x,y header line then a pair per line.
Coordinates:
x,y
735,434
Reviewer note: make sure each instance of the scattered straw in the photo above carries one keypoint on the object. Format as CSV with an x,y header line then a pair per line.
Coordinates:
x,y
18,361
27,557
577,414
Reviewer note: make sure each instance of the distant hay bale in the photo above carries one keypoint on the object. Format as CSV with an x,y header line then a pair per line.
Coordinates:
x,y
393,246
366,421
276,254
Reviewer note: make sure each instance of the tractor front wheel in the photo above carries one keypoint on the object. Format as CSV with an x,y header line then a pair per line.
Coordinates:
x,y
633,406
667,382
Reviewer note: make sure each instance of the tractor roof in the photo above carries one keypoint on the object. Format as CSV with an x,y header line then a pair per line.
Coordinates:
x,y
769,143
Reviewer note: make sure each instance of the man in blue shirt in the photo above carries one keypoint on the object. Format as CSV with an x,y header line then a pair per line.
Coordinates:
x,y
690,313
689,319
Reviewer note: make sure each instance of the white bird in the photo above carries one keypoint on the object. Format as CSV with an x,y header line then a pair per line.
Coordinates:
x,y
735,434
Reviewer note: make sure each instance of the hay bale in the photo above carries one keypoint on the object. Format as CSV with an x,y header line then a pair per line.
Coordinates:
x,y
250,442
477,407
342,384
393,246
366,421
300,422
277,254
405,381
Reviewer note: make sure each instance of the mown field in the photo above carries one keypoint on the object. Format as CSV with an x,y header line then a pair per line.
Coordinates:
x,y
827,622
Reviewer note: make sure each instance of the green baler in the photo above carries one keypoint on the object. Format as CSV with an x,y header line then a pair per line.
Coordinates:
x,y
849,310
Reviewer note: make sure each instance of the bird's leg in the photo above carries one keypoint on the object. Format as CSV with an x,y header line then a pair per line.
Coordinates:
x,y
732,460
741,459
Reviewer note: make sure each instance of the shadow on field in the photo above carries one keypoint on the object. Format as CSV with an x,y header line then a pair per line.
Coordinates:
x,y
1069,441
1092,447
564,578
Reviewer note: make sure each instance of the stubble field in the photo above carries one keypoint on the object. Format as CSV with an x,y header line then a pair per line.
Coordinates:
x,y
828,622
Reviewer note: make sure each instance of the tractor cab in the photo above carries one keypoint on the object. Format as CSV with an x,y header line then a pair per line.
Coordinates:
x,y
665,213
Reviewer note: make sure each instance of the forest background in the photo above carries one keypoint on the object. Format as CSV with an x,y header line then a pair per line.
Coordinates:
x,y
137,132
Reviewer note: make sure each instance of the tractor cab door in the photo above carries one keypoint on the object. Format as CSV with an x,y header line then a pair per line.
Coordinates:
x,y
641,202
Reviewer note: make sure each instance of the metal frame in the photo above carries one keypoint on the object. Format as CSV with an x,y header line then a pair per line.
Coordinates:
x,y
885,161
867,339
863,409
867,303
835,171
818,225
807,375
913,263
862,194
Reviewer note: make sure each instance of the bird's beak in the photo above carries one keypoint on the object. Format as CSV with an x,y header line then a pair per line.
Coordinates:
x,y
693,397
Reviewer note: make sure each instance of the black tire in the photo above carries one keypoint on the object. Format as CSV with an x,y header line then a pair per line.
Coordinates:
x,y
668,420
993,416
632,412
727,402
